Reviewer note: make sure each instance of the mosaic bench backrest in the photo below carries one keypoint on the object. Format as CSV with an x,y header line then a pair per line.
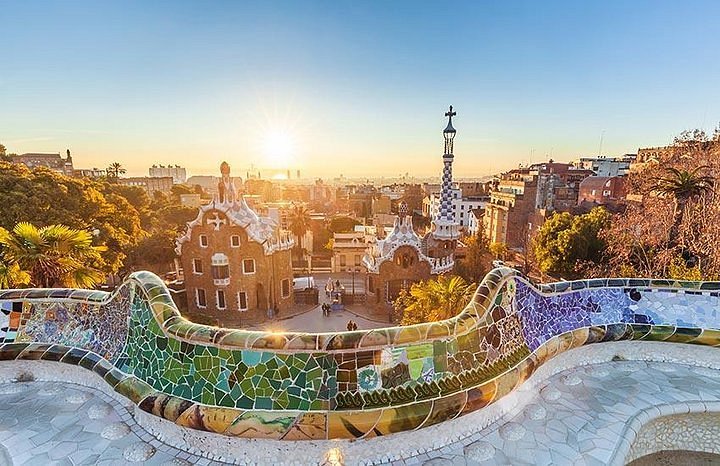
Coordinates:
x,y
347,384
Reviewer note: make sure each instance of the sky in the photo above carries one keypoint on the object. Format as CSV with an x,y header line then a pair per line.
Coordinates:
x,y
353,88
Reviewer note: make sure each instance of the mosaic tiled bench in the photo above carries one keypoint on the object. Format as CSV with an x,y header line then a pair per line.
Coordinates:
x,y
296,386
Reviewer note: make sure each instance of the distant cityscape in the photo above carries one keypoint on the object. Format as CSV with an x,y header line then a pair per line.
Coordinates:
x,y
418,228
504,204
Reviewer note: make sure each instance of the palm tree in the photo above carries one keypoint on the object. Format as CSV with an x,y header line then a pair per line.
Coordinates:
x,y
12,276
55,255
115,169
299,223
682,186
435,300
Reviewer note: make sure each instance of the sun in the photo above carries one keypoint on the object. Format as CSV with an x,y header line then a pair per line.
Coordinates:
x,y
278,149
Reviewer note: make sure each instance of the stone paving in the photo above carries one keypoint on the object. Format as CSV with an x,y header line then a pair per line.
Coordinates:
x,y
65,424
314,320
577,416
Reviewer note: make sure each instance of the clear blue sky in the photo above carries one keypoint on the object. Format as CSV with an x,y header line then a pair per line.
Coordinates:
x,y
353,87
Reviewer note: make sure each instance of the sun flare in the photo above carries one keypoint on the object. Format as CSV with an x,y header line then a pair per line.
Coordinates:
x,y
278,149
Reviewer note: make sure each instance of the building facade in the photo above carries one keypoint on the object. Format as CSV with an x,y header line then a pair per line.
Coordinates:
x,y
524,197
150,184
461,205
602,190
176,172
348,251
402,258
607,166
89,173
235,261
476,221
53,161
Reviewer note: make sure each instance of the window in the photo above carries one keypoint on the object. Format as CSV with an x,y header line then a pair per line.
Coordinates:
x,y
220,269
248,266
220,295
197,266
242,301
357,259
200,297
285,288
220,272
203,241
235,241
342,260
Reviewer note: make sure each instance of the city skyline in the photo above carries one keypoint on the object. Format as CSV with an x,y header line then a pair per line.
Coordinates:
x,y
353,89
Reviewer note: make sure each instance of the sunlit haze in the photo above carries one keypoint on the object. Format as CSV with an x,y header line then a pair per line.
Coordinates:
x,y
353,88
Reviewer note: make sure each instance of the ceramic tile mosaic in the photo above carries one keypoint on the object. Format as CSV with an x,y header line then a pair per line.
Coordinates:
x,y
99,328
348,384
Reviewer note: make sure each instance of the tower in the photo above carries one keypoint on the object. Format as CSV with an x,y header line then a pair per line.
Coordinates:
x,y
444,226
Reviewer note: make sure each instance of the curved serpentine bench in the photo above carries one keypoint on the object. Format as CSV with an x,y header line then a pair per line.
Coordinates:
x,y
297,386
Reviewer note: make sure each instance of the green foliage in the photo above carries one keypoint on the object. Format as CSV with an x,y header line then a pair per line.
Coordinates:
x,y
179,189
679,270
477,260
299,220
342,224
565,240
499,250
683,184
52,256
153,251
44,197
137,230
434,300
12,276
114,170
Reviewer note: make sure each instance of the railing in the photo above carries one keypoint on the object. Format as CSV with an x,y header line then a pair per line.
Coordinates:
x,y
345,384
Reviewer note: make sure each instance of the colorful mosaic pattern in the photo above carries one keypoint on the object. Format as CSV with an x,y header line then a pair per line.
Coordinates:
x,y
98,328
349,384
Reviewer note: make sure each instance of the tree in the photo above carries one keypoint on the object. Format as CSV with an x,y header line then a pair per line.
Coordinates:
x,y
476,263
12,276
299,223
499,250
114,170
342,224
434,300
565,242
682,185
180,189
671,227
53,256
154,252
45,197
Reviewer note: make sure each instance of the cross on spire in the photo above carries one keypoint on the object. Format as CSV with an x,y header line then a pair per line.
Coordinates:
x,y
450,113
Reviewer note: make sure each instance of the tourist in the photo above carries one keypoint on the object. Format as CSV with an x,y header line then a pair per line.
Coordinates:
x,y
350,325
354,325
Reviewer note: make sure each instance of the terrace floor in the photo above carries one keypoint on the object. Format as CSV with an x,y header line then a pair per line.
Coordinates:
x,y
576,416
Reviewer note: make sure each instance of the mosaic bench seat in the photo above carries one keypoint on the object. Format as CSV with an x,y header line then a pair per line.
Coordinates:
x,y
360,384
